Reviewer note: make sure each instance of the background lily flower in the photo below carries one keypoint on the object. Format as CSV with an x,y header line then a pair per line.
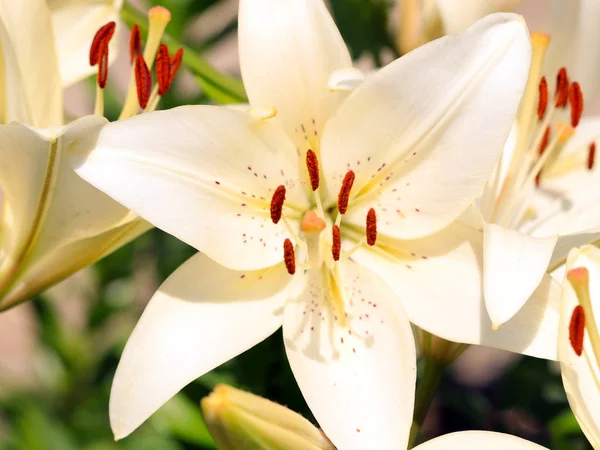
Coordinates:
x,y
74,23
579,341
52,223
335,193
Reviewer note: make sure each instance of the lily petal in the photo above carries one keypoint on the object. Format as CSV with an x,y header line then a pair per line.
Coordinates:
x,y
439,281
476,440
288,49
359,379
32,92
514,264
573,27
427,145
580,374
47,208
75,22
211,186
200,317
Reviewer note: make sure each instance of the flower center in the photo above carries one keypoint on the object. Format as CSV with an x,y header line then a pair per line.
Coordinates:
x,y
582,320
543,128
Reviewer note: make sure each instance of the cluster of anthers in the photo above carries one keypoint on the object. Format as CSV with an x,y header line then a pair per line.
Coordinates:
x,y
141,92
582,319
544,126
313,223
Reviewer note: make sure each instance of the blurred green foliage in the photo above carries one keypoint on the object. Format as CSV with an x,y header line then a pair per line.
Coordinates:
x,y
68,407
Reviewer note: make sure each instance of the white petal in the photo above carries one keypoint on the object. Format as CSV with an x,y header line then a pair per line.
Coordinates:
x,y
47,208
566,201
566,243
345,80
514,264
427,144
75,23
33,91
206,175
358,379
458,15
478,440
580,374
439,281
573,27
201,316
288,49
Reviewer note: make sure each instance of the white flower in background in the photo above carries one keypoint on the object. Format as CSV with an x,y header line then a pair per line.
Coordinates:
x,y
579,341
53,223
238,419
74,23
422,21
298,206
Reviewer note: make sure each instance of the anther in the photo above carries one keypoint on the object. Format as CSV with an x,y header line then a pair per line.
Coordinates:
x,y
143,81
135,43
577,329
176,62
277,203
336,247
163,69
545,141
371,227
562,88
312,164
102,75
591,156
288,257
100,42
344,194
543,100
576,102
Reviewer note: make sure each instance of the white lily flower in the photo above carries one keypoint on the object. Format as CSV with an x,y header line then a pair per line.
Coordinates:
x,y
579,341
477,440
287,189
74,23
53,223
540,202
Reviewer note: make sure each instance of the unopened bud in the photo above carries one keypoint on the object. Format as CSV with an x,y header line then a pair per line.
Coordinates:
x,y
240,420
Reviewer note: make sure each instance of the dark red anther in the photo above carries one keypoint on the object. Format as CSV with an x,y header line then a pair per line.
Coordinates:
x,y
562,88
312,164
371,227
277,203
545,141
163,69
336,246
577,329
135,43
576,102
175,63
591,156
102,75
100,42
143,81
289,257
543,100
344,195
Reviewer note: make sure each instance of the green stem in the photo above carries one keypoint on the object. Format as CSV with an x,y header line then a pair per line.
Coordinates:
x,y
430,380
228,89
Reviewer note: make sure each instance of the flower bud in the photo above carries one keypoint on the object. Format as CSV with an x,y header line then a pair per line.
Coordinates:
x,y
239,420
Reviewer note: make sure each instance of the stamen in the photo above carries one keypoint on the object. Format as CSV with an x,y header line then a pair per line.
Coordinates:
x,y
102,75
543,100
312,165
135,43
277,203
288,257
580,281
163,69
100,41
576,102
344,194
577,329
176,62
562,88
336,247
591,156
545,141
371,227
143,81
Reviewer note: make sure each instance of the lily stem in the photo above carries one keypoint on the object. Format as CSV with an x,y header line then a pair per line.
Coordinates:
x,y
426,388
229,89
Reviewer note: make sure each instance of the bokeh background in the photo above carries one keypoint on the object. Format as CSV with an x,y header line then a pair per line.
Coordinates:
x,y
58,353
